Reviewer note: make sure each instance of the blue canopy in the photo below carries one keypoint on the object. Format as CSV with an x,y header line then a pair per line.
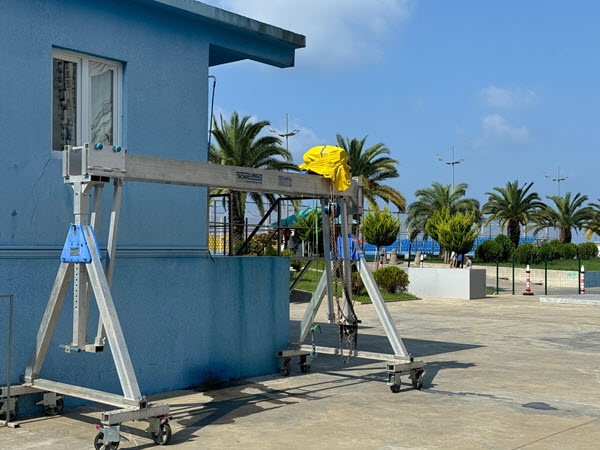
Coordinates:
x,y
290,220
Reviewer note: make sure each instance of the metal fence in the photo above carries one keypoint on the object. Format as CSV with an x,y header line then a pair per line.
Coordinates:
x,y
511,278
284,236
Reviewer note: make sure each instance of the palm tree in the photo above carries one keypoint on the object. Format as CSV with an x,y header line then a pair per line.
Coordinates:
x,y
374,169
592,226
238,144
436,198
569,213
513,206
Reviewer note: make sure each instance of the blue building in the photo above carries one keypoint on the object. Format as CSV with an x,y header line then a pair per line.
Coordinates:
x,y
130,73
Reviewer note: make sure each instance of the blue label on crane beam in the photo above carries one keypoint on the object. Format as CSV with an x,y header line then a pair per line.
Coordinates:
x,y
76,247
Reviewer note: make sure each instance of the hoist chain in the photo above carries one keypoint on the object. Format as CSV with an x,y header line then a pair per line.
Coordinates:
x,y
348,329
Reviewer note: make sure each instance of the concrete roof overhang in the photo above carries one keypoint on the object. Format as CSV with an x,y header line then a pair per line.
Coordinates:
x,y
235,37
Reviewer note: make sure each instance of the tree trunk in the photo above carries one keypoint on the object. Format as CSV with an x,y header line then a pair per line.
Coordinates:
x,y
565,235
237,219
514,232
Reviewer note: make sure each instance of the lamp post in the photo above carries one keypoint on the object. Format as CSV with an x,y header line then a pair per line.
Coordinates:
x,y
451,163
558,179
286,135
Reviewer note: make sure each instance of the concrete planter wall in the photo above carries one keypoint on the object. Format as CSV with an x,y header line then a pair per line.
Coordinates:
x,y
447,283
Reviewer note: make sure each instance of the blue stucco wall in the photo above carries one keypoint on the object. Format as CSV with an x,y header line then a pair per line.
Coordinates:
x,y
185,320
165,105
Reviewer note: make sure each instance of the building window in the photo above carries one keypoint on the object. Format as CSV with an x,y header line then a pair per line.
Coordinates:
x,y
86,100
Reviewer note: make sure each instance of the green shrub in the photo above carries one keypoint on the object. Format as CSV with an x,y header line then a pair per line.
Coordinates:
x,y
526,254
556,246
294,263
506,247
487,251
568,251
258,246
587,250
544,252
391,279
551,250
237,248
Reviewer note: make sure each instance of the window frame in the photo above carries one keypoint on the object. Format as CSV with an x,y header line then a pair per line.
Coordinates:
x,y
84,92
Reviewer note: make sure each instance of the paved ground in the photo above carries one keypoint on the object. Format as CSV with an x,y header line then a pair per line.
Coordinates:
x,y
504,372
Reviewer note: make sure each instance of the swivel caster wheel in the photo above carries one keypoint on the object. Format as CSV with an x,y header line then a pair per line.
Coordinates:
x,y
305,368
418,383
285,369
417,380
54,410
163,437
13,413
100,444
395,388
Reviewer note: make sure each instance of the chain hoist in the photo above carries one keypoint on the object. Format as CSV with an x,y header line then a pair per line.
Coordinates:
x,y
348,325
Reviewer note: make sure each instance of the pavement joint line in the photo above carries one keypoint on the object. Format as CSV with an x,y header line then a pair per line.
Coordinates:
x,y
555,434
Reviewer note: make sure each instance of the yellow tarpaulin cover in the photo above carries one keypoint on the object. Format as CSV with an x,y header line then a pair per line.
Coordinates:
x,y
331,162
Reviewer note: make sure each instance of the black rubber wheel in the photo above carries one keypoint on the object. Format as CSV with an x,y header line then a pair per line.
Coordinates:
x,y
99,442
305,368
418,383
285,370
53,411
395,388
164,435
13,414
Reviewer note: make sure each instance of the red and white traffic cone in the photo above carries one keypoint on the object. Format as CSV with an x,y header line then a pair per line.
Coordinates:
x,y
582,280
528,287
381,263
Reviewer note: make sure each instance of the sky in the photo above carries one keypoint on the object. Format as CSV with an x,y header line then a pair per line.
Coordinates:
x,y
512,85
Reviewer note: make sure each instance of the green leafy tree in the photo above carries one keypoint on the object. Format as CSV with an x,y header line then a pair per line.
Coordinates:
x,y
436,198
569,213
513,206
237,143
375,167
310,229
456,232
380,228
439,217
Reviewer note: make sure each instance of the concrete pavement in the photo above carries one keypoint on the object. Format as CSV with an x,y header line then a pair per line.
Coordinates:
x,y
502,373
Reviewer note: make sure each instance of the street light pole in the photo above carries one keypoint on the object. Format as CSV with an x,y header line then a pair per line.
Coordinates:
x,y
558,179
450,163
286,135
